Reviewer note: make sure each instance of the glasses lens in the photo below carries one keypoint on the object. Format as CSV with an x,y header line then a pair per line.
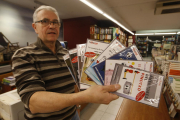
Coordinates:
x,y
45,22
56,23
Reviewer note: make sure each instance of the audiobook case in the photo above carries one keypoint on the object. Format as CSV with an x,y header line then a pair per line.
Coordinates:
x,y
74,61
93,50
70,67
80,54
114,47
130,53
138,85
110,64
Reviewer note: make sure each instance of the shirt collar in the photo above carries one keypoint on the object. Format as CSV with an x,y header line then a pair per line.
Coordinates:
x,y
39,43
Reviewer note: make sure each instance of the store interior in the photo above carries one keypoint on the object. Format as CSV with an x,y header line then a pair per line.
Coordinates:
x,y
151,25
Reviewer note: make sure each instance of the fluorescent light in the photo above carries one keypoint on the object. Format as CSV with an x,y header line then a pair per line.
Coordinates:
x,y
92,6
106,15
145,34
112,19
164,33
109,17
178,33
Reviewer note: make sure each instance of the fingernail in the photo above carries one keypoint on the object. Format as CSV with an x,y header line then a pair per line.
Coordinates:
x,y
117,86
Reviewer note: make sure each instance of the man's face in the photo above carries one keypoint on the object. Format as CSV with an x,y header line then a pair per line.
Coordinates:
x,y
47,33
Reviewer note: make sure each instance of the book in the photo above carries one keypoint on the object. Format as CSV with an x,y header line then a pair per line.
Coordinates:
x,y
70,67
114,47
130,53
80,54
74,61
169,103
110,64
175,85
93,50
138,85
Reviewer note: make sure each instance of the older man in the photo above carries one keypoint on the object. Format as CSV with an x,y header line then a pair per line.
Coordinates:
x,y
43,81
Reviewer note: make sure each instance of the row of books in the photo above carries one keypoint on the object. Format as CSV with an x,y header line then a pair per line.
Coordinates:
x,y
97,30
171,97
100,63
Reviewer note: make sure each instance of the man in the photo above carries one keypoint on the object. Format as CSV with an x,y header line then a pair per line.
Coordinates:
x,y
42,79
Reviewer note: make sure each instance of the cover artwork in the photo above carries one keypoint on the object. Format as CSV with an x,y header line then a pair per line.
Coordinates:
x,y
74,61
110,64
138,85
114,47
130,53
80,54
93,50
70,67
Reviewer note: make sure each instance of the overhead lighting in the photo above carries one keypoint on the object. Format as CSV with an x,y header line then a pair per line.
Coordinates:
x,y
178,33
112,19
106,15
92,6
145,34
165,33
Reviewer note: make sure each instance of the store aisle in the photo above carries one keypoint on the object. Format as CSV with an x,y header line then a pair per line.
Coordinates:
x,y
147,58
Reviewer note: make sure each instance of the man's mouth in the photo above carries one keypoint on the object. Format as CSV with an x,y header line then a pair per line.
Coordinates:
x,y
51,33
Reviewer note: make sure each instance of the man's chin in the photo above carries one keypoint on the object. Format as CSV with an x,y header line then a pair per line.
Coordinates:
x,y
52,39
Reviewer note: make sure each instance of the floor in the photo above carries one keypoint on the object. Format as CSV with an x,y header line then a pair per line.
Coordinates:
x,y
101,111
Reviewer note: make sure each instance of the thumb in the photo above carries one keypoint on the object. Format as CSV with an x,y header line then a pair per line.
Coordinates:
x,y
112,88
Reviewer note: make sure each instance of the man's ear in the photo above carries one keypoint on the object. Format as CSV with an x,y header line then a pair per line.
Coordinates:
x,y
35,28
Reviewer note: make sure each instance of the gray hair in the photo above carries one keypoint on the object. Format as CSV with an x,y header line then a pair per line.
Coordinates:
x,y
44,7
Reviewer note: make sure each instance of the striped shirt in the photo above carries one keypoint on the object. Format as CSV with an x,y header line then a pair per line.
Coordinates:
x,y
37,68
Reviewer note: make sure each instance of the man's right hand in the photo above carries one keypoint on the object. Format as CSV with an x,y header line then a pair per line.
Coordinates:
x,y
101,94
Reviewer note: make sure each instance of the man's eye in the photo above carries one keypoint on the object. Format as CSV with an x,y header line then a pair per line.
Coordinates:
x,y
55,22
45,21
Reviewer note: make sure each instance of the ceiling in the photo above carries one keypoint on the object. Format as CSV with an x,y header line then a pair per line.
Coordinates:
x,y
136,15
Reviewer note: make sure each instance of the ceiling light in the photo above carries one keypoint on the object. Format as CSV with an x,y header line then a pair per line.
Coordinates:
x,y
164,33
92,6
106,15
112,19
145,34
178,33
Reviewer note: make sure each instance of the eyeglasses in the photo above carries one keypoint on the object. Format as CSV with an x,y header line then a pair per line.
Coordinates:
x,y
47,22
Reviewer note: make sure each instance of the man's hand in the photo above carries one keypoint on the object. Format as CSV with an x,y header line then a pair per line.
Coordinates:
x,y
101,94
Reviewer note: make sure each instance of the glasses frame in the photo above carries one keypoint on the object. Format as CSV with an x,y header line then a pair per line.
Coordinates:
x,y
41,21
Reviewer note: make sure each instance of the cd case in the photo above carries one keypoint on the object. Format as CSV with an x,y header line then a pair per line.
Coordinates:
x,y
138,85
70,67
130,53
93,50
110,64
74,61
114,47
80,54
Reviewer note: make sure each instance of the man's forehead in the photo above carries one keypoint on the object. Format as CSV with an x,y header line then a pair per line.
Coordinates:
x,y
46,14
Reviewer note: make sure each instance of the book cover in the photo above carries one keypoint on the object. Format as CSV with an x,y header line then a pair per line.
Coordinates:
x,y
110,64
130,53
70,67
93,50
80,54
74,61
138,85
114,47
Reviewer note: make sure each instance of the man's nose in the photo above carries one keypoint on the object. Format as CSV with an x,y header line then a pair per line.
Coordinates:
x,y
51,25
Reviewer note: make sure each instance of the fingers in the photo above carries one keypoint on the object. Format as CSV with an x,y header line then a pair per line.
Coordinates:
x,y
113,96
112,88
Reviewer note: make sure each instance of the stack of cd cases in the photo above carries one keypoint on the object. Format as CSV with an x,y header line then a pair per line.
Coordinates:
x,y
100,63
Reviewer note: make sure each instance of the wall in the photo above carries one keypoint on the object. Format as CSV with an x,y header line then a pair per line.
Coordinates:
x,y
77,30
15,23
